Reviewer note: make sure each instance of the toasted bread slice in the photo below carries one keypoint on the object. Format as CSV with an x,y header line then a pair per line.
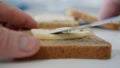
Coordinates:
x,y
89,18
51,21
87,47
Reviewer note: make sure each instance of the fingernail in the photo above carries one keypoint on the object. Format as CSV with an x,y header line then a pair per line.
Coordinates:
x,y
27,43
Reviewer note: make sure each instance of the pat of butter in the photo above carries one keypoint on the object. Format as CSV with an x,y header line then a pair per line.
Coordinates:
x,y
47,34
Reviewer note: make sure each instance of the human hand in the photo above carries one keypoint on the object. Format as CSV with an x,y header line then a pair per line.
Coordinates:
x,y
15,44
109,9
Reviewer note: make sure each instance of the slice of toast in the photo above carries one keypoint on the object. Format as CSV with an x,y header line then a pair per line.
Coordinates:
x,y
51,21
89,18
87,47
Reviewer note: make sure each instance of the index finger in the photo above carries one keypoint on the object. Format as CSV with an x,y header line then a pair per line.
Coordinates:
x,y
15,17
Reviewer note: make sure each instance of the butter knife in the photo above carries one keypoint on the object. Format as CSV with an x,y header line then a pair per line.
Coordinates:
x,y
113,19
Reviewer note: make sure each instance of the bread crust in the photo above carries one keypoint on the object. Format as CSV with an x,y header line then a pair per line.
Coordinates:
x,y
76,52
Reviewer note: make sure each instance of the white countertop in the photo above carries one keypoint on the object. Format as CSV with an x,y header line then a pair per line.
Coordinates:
x,y
109,35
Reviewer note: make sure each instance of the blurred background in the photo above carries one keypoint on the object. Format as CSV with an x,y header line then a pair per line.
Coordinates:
x,y
56,6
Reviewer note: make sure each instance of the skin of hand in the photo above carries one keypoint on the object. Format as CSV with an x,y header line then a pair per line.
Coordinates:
x,y
15,44
110,8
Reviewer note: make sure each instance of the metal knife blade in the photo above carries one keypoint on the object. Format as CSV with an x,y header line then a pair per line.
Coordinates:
x,y
113,19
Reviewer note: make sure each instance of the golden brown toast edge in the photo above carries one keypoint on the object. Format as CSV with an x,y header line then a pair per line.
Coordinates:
x,y
73,52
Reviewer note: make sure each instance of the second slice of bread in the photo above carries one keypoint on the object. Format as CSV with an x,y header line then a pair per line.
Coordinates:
x,y
51,21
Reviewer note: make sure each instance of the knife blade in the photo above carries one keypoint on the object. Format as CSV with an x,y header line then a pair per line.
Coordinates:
x,y
113,19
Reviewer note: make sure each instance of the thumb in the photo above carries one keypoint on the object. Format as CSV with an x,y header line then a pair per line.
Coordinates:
x,y
17,44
